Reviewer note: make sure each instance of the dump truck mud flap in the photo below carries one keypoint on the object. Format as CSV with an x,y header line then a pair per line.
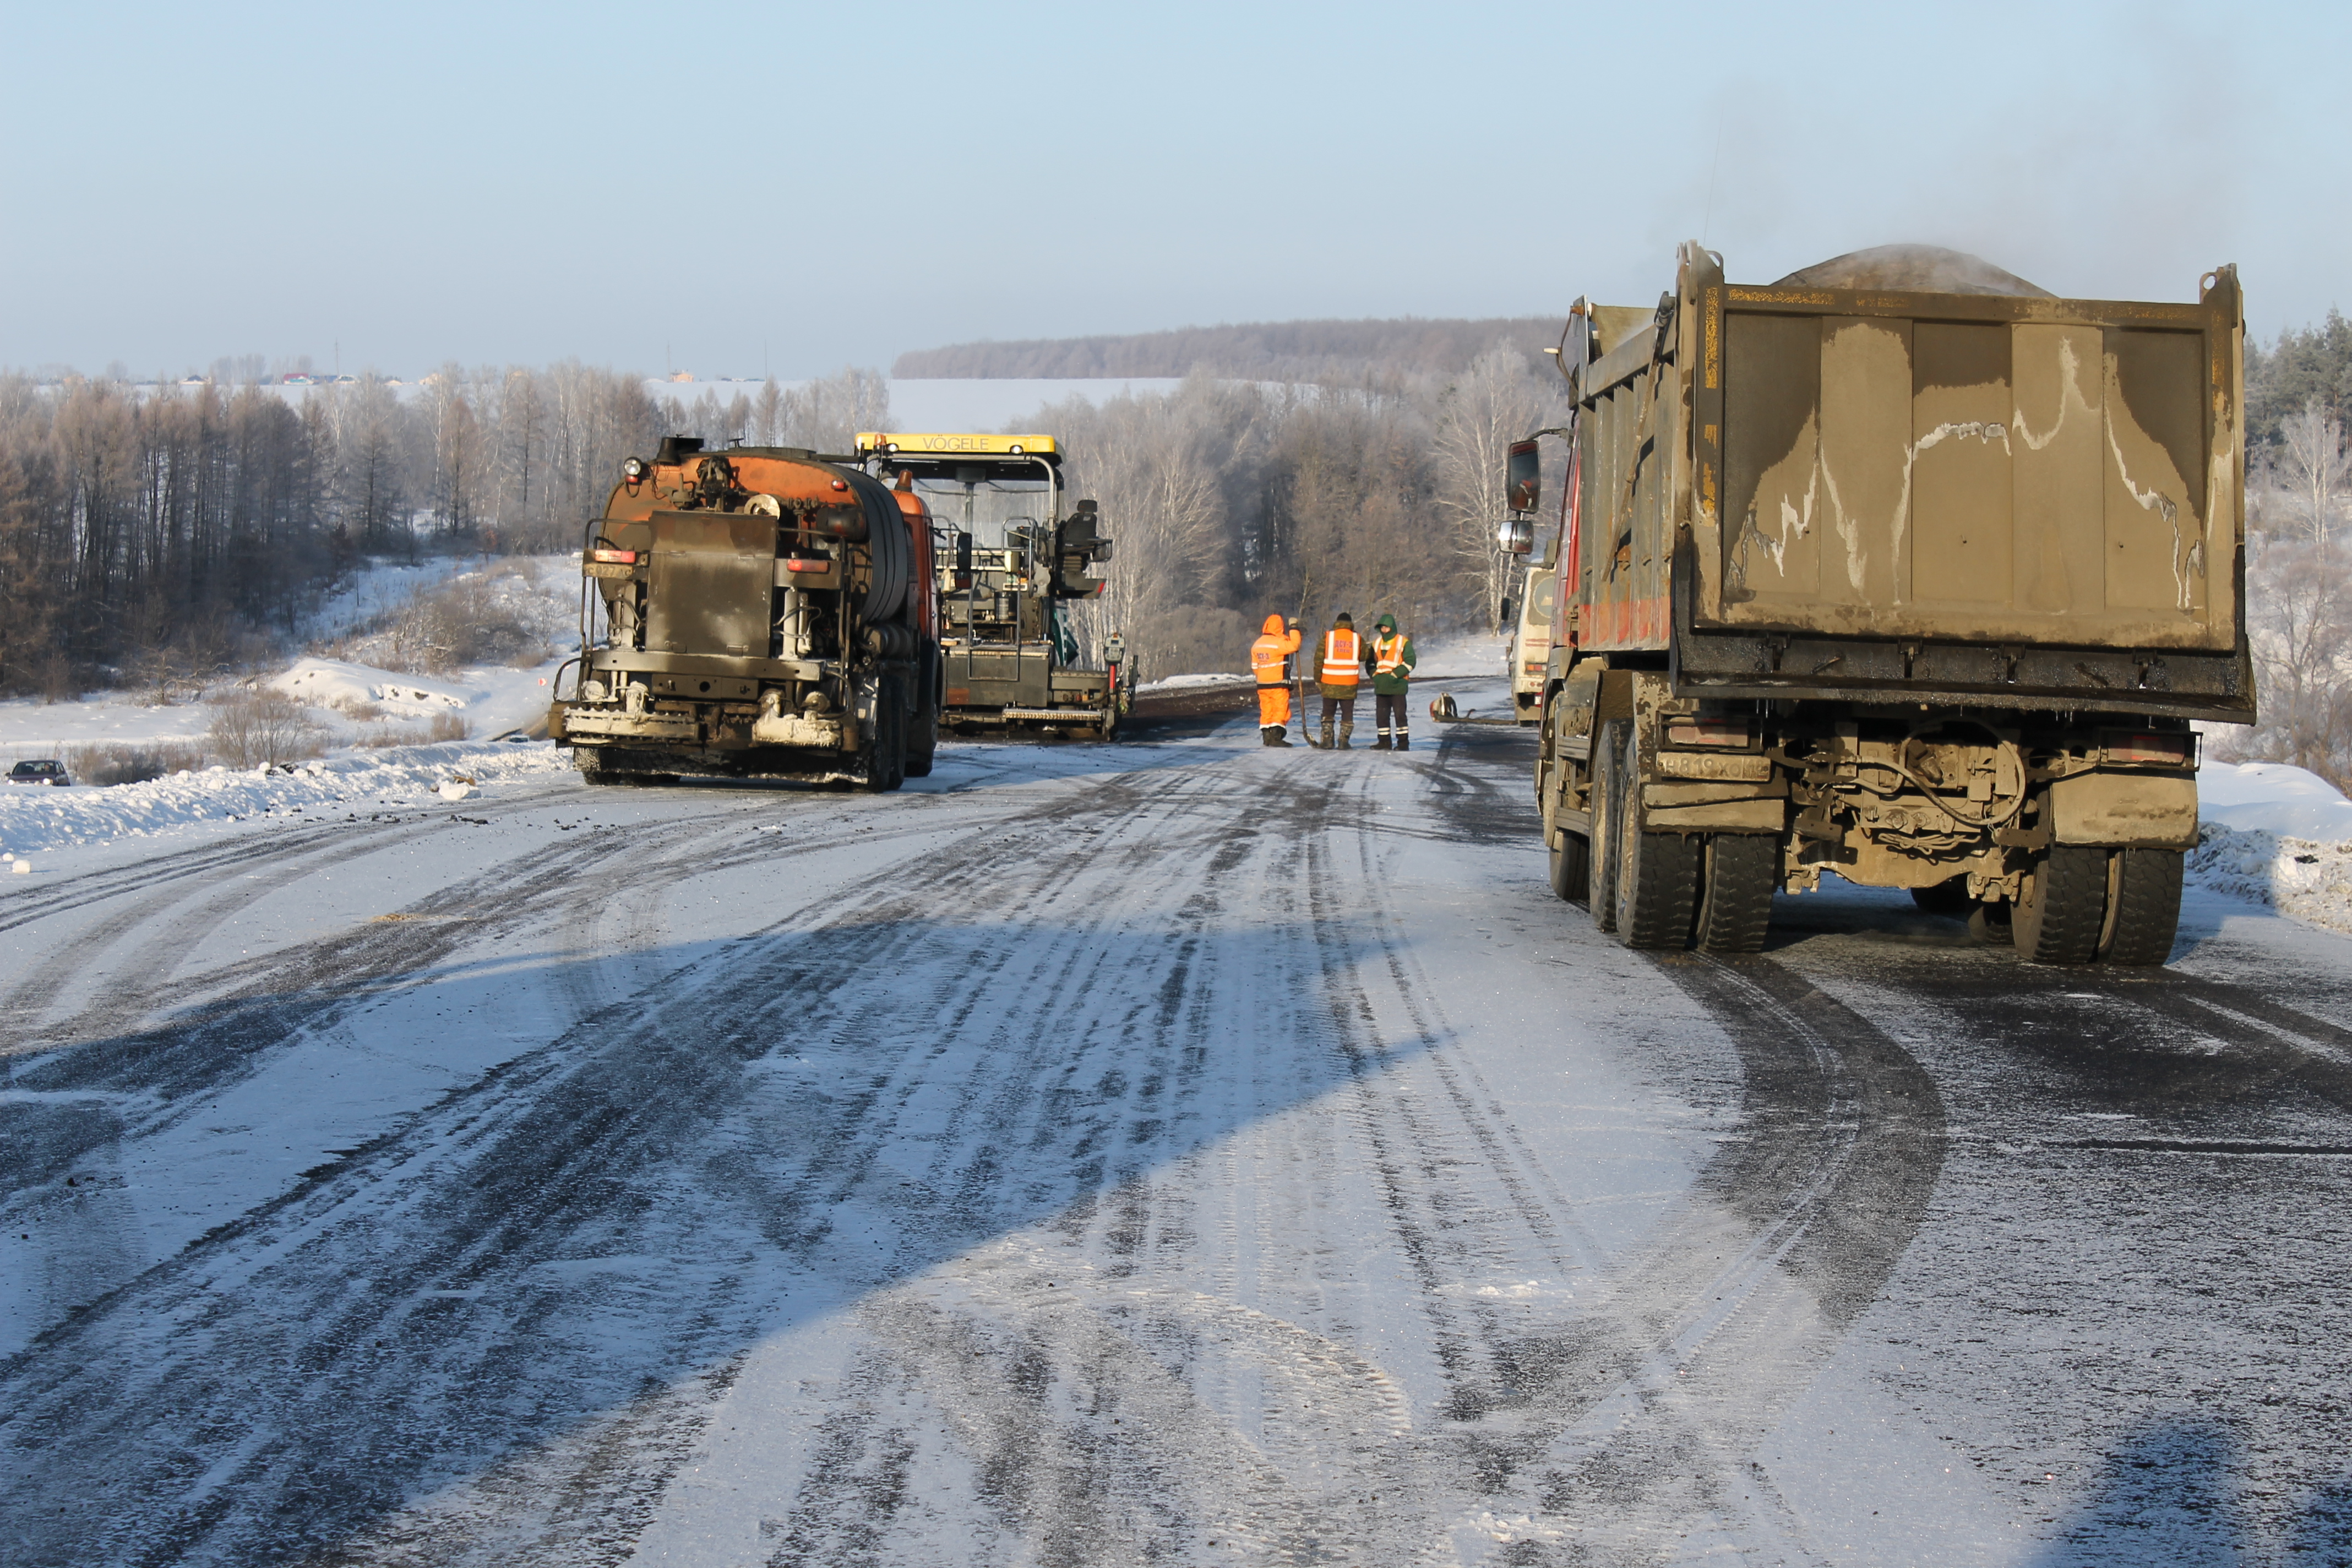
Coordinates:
x,y
2146,811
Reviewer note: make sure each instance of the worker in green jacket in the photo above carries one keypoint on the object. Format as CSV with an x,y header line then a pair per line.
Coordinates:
x,y
1387,660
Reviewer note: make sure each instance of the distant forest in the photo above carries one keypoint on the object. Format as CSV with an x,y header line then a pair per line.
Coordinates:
x,y
152,529
2300,367
1325,351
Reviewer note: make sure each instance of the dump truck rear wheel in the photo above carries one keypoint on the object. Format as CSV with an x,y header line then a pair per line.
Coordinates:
x,y
1740,873
2064,904
2143,906
1657,873
1571,867
1600,801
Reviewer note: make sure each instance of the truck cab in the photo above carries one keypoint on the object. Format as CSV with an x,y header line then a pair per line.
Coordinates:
x,y
1529,652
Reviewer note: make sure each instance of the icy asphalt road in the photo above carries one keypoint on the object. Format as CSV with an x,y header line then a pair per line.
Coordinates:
x,y
1172,1152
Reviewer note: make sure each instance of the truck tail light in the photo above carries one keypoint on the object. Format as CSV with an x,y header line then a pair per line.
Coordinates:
x,y
808,564
2159,751
1532,667
1708,732
618,557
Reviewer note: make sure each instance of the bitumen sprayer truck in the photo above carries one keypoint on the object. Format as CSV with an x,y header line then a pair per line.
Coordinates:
x,y
1900,569
756,612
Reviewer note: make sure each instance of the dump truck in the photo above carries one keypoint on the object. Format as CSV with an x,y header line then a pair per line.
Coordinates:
x,y
1901,569
755,612
1009,564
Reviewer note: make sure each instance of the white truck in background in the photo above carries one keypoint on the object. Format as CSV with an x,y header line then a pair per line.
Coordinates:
x,y
1530,651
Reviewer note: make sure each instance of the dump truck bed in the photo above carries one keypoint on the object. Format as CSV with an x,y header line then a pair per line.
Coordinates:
x,y
2033,501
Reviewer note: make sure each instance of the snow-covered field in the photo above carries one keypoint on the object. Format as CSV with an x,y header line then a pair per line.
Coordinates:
x,y
539,594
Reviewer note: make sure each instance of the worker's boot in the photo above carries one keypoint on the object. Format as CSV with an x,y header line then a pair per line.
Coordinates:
x,y
1382,743
1404,742
1346,730
1325,743
1271,735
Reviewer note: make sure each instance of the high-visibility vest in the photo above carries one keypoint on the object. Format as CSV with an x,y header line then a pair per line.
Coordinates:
x,y
1388,655
1343,657
1267,653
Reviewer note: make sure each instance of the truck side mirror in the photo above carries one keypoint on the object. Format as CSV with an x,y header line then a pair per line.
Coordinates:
x,y
1522,476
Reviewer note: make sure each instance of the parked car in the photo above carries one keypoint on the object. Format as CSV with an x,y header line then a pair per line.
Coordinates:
x,y
42,771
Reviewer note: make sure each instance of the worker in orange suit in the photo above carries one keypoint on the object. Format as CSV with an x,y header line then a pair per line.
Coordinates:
x,y
1342,671
1268,657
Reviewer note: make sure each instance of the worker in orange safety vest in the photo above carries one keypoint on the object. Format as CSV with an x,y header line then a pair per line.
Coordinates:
x,y
1269,658
1342,671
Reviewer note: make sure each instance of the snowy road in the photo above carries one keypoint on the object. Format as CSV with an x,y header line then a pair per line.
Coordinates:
x,y
1156,1152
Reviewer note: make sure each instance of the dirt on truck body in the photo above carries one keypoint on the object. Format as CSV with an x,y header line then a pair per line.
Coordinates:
x,y
763,612
1900,569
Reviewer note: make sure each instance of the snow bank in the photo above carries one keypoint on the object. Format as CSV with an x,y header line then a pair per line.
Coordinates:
x,y
33,820
2272,797
329,682
1183,682
2278,836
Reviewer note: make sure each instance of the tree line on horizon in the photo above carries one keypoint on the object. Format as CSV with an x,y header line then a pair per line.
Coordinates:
x,y
1342,352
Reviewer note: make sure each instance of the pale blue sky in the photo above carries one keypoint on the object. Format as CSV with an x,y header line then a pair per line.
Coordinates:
x,y
819,186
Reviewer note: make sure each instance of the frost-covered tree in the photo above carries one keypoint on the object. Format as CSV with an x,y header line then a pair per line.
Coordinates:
x,y
2314,466
1478,415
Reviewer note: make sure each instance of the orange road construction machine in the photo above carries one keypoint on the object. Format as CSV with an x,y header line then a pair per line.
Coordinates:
x,y
756,612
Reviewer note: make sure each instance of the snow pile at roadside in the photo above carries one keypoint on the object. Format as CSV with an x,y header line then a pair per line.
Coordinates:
x,y
33,820
2278,836
331,683
1183,682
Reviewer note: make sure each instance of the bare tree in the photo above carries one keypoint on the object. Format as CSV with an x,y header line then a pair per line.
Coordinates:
x,y
1493,404
1159,468
2315,466
2299,614
826,413
768,415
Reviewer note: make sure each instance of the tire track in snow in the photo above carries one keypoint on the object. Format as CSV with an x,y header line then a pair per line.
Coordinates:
x,y
1656,1403
553,1155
